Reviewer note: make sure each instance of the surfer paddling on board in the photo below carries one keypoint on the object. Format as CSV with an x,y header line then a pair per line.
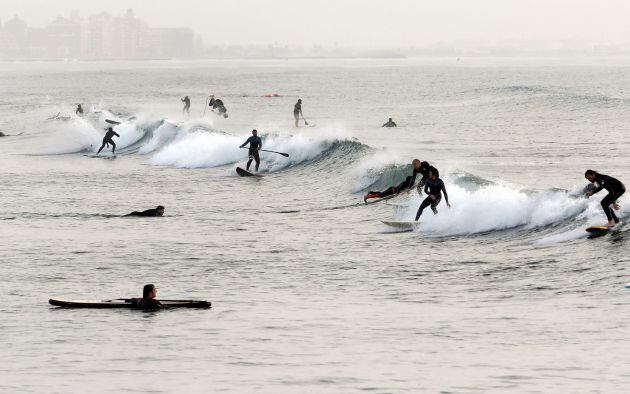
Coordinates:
x,y
186,108
108,140
255,143
390,123
434,187
615,189
419,167
148,301
154,212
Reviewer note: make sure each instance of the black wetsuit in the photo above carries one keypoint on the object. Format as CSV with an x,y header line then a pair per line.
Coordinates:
x,y
108,140
435,188
218,105
389,123
297,110
147,304
186,102
615,189
424,170
406,184
79,110
255,143
148,212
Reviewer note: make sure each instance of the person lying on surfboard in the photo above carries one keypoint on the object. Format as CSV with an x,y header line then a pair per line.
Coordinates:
x,y
615,189
154,212
108,140
255,143
434,187
148,301
419,167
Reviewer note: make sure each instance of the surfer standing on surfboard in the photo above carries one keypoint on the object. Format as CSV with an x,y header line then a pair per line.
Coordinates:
x,y
255,143
419,167
615,189
297,111
108,140
433,188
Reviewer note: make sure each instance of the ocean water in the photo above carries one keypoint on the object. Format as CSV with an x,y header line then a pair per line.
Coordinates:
x,y
311,292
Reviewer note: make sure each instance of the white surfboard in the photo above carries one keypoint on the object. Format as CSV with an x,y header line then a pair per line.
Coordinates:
x,y
408,225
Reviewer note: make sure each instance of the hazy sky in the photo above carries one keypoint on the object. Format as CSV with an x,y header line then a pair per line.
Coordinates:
x,y
365,23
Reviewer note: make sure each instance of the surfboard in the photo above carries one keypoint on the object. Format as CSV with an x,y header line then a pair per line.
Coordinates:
x,y
408,225
598,231
243,172
110,157
111,121
127,303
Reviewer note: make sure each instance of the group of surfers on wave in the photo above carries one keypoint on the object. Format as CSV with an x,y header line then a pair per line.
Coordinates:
x,y
434,187
430,176
430,180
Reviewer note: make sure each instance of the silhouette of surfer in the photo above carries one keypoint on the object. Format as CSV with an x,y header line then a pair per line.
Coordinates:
x,y
108,140
154,212
186,102
390,123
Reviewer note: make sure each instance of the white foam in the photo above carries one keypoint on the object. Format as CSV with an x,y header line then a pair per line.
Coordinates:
x,y
201,149
493,208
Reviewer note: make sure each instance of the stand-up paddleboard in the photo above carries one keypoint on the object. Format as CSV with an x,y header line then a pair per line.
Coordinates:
x,y
111,121
598,231
127,303
243,172
405,225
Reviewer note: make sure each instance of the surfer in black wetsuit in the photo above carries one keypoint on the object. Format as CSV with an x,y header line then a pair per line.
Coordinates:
x,y
615,189
434,187
297,111
79,110
186,102
148,301
419,167
217,104
255,143
108,140
390,123
154,212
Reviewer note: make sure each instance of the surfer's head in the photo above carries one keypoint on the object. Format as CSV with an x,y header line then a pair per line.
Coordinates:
x,y
390,119
160,210
149,291
300,101
434,173
254,132
590,175
415,163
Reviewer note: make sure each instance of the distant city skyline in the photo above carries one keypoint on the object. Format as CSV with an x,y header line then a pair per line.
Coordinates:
x,y
126,35
360,23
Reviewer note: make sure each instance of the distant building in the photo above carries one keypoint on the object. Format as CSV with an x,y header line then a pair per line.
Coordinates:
x,y
100,36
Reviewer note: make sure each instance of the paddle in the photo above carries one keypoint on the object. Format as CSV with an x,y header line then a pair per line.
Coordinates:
x,y
304,119
272,151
